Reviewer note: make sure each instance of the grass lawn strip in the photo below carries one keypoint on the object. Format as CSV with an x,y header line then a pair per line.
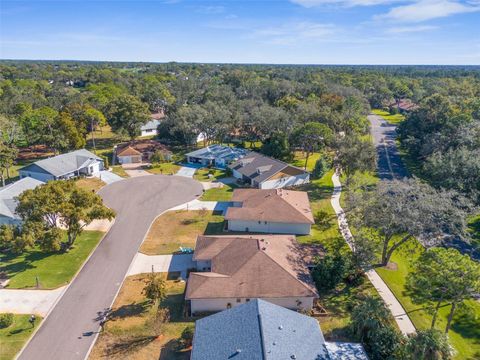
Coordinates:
x,y
16,335
168,168
299,160
53,269
180,228
203,174
119,170
391,118
90,184
128,334
223,193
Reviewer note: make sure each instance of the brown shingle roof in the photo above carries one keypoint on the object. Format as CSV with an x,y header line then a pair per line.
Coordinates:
x,y
250,267
128,151
276,205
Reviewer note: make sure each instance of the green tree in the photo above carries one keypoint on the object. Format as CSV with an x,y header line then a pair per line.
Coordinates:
x,y
277,146
60,203
400,211
126,114
155,288
8,154
312,137
444,276
354,155
428,345
322,165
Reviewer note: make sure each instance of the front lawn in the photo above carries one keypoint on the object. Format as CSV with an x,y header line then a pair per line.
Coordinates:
x,y
15,336
465,332
203,174
325,228
392,119
119,170
299,160
90,184
180,228
168,168
223,193
129,333
52,269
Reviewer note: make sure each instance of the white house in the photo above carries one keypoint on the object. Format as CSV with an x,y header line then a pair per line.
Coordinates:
x,y
273,211
150,128
236,269
64,166
264,172
219,156
8,199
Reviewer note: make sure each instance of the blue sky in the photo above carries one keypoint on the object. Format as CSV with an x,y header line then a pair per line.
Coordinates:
x,y
275,31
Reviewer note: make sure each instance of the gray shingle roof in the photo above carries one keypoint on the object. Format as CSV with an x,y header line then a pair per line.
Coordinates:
x,y
65,163
258,330
151,125
8,203
259,167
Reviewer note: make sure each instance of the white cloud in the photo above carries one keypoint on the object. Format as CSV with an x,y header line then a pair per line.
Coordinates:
x,y
292,33
411,29
347,3
426,10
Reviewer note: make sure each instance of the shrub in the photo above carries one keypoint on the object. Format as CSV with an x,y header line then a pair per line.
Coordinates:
x,y
322,165
329,271
106,164
6,320
187,336
158,157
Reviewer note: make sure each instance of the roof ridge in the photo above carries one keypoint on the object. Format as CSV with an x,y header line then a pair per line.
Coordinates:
x,y
295,208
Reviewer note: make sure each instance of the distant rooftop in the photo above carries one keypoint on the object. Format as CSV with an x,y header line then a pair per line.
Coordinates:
x,y
8,194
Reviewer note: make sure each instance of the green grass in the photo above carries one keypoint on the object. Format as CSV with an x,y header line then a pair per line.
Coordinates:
x,y
319,193
118,169
465,332
15,336
299,160
203,174
53,269
168,168
393,119
219,194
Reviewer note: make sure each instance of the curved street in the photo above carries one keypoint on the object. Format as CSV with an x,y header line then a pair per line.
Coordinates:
x,y
70,329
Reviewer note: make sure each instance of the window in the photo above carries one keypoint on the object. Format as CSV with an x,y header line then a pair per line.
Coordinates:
x,y
239,300
229,306
259,222
247,300
265,223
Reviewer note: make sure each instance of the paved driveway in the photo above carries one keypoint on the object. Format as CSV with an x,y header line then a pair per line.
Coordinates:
x,y
161,263
186,171
384,135
108,177
28,301
69,330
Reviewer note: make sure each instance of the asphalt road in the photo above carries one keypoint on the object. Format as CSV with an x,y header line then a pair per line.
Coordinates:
x,y
390,165
69,330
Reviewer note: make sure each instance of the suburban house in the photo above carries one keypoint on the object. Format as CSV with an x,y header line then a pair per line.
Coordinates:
x,y
219,156
8,199
140,151
403,105
64,166
264,172
150,128
274,211
260,330
233,270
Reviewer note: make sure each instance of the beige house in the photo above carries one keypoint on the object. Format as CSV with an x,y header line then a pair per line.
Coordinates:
x,y
129,155
236,269
274,211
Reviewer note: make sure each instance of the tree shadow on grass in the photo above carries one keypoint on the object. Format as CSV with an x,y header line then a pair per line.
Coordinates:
x,y
129,345
169,352
214,228
175,304
317,192
467,325
15,267
133,309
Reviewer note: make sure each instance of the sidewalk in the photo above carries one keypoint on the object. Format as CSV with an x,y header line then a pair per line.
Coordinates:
x,y
403,321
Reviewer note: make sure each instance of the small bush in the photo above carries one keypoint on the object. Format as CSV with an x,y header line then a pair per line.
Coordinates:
x,y
187,336
322,166
158,157
6,320
106,164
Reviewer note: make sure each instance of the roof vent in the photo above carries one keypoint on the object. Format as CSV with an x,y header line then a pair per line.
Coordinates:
x,y
264,248
293,356
238,351
280,327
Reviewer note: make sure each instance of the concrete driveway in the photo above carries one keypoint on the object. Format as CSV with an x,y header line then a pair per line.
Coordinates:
x,y
186,171
28,301
69,331
161,263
